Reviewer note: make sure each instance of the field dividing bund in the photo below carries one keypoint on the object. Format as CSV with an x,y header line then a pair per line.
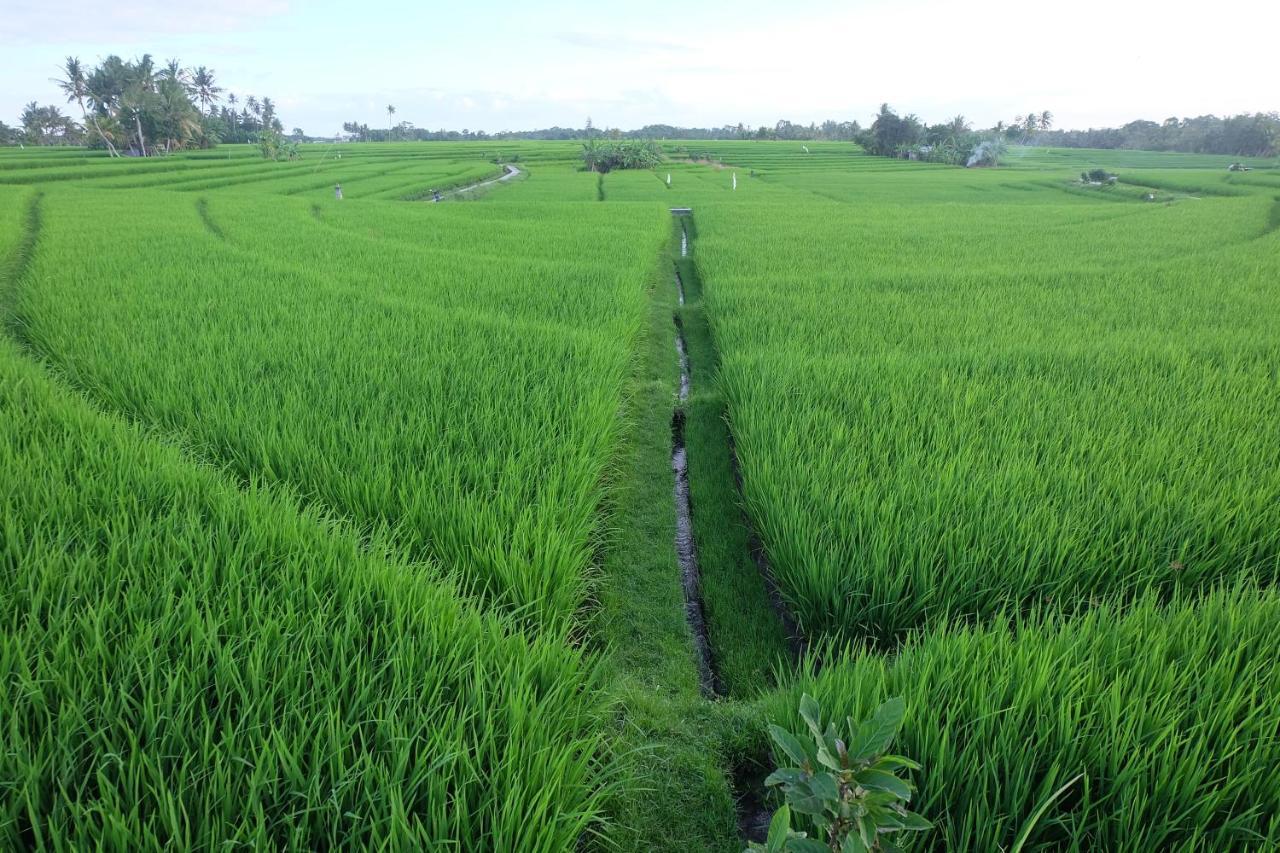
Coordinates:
x,y
747,638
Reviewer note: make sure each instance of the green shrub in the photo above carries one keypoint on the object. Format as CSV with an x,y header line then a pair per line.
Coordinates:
x,y
845,783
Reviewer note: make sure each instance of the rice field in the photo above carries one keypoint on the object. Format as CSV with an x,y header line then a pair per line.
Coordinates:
x,y
349,523
942,417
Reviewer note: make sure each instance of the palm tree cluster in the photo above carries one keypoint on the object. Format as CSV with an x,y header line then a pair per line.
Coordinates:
x,y
139,108
1026,126
254,116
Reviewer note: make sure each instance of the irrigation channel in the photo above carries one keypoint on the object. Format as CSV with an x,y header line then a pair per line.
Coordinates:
x,y
728,587
686,547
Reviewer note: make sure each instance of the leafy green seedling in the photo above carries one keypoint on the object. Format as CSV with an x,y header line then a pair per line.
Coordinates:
x,y
848,787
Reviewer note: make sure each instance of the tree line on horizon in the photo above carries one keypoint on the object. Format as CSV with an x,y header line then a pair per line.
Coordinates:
x,y
894,135
136,108
1244,135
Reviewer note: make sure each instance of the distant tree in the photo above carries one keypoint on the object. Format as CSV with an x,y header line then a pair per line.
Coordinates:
x,y
391,111
176,119
205,88
175,73
268,113
1045,120
46,125
891,134
76,87
607,155
274,146
133,105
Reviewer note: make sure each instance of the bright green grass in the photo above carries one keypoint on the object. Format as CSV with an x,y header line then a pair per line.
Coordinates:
x,y
189,664
1167,712
944,411
461,402
323,487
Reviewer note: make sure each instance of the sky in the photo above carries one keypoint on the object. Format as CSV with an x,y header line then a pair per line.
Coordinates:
x,y
501,65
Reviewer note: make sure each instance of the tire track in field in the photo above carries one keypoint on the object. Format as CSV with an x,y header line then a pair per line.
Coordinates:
x,y
16,267
202,208
1273,220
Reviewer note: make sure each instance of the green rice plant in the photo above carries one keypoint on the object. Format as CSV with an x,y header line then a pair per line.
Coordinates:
x,y
946,410
1165,712
460,404
309,495
191,663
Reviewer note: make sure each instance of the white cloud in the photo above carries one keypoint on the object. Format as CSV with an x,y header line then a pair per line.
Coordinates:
x,y
127,21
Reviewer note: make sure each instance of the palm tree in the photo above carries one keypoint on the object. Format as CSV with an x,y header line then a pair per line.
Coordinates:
x,y
76,88
138,94
174,114
1046,120
390,122
174,71
206,90
251,105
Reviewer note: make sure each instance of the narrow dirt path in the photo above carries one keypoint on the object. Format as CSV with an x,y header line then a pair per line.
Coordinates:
x,y
511,172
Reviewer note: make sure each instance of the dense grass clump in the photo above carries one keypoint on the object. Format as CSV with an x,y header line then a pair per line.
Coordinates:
x,y
456,393
191,665
1166,714
945,410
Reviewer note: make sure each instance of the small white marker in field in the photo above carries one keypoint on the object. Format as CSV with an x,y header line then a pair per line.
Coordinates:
x,y
735,180
668,179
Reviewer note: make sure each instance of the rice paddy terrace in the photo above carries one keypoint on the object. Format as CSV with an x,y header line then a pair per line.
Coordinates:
x,y
509,522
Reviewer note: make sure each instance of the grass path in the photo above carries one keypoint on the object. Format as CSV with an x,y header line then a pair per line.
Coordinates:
x,y
670,731
692,753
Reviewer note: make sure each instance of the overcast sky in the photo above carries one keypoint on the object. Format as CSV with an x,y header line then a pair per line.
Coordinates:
x,y
502,65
